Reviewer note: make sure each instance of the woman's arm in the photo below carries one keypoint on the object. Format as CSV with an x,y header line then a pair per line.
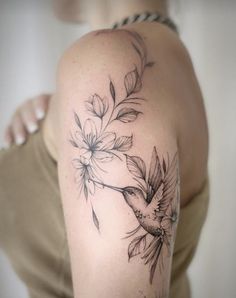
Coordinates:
x,y
118,165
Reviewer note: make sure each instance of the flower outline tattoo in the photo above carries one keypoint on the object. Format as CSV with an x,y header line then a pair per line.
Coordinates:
x,y
98,145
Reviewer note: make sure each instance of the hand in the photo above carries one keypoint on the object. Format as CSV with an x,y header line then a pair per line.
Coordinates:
x,y
25,120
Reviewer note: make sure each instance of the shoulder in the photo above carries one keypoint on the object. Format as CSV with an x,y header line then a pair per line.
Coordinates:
x,y
135,46
150,62
148,56
141,58
113,45
103,51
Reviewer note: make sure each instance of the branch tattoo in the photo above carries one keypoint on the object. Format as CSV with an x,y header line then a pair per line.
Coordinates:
x,y
154,200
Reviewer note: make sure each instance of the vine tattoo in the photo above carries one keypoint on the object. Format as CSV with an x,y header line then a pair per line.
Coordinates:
x,y
154,200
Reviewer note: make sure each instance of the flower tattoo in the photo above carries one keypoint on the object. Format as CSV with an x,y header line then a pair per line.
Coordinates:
x,y
98,145
97,106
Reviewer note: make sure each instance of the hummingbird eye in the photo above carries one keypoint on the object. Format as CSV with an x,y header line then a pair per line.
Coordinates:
x,y
130,192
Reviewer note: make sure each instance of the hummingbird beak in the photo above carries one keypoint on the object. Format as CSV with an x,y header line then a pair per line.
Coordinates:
x,y
119,189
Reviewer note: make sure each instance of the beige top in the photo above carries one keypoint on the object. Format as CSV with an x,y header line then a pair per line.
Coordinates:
x,y
32,229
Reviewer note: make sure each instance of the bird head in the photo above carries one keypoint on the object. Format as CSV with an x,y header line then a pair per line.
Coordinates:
x,y
132,195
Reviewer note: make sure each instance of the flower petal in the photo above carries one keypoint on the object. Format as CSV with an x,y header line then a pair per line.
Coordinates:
x,y
89,107
77,164
85,156
79,139
92,171
98,105
106,141
105,104
103,156
89,130
85,152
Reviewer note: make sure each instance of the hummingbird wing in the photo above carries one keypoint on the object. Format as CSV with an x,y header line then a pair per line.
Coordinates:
x,y
154,176
166,191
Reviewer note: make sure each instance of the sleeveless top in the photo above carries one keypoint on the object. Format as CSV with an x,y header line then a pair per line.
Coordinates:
x,y
32,228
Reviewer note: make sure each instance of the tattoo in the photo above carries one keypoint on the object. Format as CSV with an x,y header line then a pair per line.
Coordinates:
x,y
142,294
154,200
155,206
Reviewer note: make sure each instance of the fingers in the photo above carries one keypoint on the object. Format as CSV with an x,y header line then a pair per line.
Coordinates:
x,y
25,121
40,105
28,117
8,137
18,130
22,123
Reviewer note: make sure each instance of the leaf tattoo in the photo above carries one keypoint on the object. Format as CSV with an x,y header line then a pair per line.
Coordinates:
x,y
97,145
73,143
136,166
123,143
137,246
77,121
137,50
95,219
113,92
127,115
133,82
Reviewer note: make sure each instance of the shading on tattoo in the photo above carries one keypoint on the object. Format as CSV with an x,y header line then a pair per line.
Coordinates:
x,y
142,294
97,145
155,205
154,200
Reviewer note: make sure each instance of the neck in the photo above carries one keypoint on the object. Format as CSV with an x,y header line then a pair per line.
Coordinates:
x,y
103,16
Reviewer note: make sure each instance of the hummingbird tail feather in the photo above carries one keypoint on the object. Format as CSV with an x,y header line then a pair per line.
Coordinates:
x,y
154,263
151,249
131,233
152,254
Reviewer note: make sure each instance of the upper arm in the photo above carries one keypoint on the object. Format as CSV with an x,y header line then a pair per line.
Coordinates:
x,y
118,168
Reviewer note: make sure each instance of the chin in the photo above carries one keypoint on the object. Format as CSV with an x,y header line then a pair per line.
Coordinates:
x,y
68,11
69,18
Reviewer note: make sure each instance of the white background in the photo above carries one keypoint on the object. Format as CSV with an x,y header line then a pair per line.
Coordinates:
x,y
31,42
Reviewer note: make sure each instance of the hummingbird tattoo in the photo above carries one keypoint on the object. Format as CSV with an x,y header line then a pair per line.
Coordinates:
x,y
155,206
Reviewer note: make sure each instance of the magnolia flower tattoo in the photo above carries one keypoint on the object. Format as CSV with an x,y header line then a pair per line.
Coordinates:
x,y
155,199
97,145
